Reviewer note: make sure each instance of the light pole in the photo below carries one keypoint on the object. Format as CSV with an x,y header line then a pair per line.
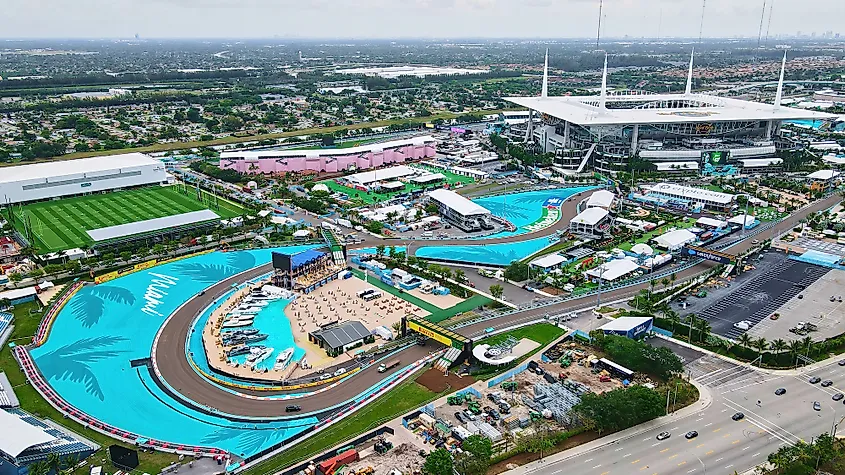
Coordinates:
x,y
704,467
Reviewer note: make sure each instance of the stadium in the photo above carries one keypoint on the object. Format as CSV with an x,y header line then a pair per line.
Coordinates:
x,y
103,202
686,132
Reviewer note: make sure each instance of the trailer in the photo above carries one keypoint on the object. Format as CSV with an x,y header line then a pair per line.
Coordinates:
x,y
389,365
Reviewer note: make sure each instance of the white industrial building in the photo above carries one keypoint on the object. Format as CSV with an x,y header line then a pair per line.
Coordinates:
x,y
41,181
591,221
708,198
460,211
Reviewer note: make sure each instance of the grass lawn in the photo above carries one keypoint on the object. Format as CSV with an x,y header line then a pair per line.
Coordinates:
x,y
405,398
26,324
62,224
558,246
467,305
542,333
341,145
368,198
680,224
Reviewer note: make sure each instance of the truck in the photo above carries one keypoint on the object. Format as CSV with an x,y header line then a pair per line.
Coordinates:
x,y
386,366
331,466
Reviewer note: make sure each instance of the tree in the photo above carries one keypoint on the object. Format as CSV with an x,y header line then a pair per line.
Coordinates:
x,y
638,356
703,328
54,461
778,346
620,408
538,442
438,462
476,456
795,347
761,344
5,303
664,282
497,291
39,468
380,250
460,276
745,340
517,271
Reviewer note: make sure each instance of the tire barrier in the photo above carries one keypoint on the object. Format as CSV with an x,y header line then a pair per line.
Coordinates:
x,y
47,322
38,382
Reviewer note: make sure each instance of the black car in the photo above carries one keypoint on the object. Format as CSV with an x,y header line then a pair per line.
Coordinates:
x,y
780,391
460,417
738,416
815,379
817,406
827,383
691,434
293,408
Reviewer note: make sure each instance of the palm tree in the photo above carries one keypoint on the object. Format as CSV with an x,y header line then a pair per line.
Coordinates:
x,y
651,285
664,282
703,327
691,319
795,347
761,344
39,468
745,340
807,344
778,346
673,318
54,461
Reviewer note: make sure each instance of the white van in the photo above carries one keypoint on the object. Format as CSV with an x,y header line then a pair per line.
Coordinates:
x,y
428,234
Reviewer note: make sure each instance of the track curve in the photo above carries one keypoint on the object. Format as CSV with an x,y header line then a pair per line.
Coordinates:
x,y
171,365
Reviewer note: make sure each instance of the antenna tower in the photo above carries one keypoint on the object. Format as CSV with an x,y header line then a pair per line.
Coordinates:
x,y
598,32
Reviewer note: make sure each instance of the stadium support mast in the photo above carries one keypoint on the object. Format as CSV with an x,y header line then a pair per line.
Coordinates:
x,y
598,32
779,94
689,73
603,96
544,92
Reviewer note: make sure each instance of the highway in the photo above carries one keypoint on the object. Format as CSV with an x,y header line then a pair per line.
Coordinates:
x,y
177,372
723,445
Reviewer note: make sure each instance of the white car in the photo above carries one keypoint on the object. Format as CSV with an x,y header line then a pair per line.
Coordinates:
x,y
340,371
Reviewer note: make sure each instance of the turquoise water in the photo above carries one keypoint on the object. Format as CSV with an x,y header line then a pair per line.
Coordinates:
x,y
493,254
816,124
523,209
272,321
86,358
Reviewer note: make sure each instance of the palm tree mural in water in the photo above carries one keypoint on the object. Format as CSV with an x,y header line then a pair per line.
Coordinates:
x,y
90,306
236,262
72,362
251,440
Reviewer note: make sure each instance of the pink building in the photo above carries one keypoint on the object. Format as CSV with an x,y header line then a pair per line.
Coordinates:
x,y
329,160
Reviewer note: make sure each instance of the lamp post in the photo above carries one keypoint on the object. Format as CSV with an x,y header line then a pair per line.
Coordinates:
x,y
704,467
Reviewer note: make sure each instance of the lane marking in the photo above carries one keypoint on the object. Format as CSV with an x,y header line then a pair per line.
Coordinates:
x,y
647,438
682,463
729,466
735,442
708,424
635,461
699,419
758,453
588,460
717,430
690,471
708,453
597,466
670,458
746,448
674,428
626,456
664,450
655,445
620,448
699,446
719,459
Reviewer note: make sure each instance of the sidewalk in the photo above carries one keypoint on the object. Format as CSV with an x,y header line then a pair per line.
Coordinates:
x,y
703,403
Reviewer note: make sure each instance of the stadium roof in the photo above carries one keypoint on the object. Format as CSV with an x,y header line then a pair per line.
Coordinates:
x,y
691,193
457,202
383,174
584,110
429,178
612,270
374,147
342,334
601,198
56,168
18,436
590,216
140,227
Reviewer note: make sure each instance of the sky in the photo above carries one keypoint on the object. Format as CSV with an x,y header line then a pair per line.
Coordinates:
x,y
411,18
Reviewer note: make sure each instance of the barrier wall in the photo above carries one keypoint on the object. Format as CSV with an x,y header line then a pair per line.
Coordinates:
x,y
470,390
144,266
507,375
47,321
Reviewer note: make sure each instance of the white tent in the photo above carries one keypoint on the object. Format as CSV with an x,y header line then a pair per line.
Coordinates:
x,y
674,240
642,249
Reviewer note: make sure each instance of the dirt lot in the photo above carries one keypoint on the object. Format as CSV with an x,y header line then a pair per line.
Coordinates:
x,y
435,381
404,457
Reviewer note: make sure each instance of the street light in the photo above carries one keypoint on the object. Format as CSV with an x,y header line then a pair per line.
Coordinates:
x,y
702,464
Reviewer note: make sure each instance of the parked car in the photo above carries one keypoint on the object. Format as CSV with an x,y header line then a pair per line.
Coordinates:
x,y
780,391
460,417
293,408
827,383
838,396
817,406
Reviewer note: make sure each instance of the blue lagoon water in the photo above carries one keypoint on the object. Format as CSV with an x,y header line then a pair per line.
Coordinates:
x,y
86,358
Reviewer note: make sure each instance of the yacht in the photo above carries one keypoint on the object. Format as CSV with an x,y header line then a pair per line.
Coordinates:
x,y
244,332
238,350
255,352
256,302
240,339
283,359
236,312
236,322
261,357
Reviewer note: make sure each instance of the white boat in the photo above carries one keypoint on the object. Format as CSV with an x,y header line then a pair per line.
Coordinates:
x,y
242,312
248,308
255,352
236,322
261,357
283,359
256,302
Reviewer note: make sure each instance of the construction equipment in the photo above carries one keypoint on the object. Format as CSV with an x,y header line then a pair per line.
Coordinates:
x,y
366,471
455,400
382,446
474,407
510,386
604,378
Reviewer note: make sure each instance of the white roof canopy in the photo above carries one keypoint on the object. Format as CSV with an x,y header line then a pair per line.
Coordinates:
x,y
372,176
56,168
675,239
742,219
823,175
612,270
139,227
549,261
457,202
18,436
715,223
601,198
691,193
590,216
624,324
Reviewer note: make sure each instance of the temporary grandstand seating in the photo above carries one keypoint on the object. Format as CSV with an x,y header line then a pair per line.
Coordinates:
x,y
63,445
448,359
5,320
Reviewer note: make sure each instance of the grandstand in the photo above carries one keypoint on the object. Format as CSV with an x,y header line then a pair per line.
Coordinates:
x,y
64,224
26,439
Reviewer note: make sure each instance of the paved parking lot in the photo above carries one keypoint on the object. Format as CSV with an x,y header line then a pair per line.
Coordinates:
x,y
761,294
815,307
821,246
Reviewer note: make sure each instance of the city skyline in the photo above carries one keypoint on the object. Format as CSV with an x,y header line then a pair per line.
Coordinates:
x,y
381,19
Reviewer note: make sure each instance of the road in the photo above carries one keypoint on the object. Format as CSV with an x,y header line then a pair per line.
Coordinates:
x,y
723,445
179,374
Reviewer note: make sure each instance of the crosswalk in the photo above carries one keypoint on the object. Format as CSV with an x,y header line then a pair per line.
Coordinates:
x,y
715,372
760,297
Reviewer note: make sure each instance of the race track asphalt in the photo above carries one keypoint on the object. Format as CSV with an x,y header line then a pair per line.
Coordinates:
x,y
171,362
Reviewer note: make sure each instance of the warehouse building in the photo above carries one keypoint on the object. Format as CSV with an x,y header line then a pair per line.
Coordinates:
x,y
461,212
43,181
707,199
631,327
341,337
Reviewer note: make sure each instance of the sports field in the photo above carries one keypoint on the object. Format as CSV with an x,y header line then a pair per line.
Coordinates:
x,y
62,224
366,198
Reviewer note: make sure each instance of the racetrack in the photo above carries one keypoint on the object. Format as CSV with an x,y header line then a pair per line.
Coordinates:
x,y
170,363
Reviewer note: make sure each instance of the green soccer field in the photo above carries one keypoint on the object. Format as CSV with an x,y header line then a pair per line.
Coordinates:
x,y
62,224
